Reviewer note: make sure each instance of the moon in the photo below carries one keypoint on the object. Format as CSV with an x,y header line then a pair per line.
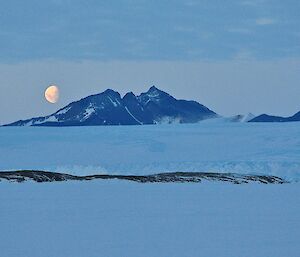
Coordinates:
x,y
52,94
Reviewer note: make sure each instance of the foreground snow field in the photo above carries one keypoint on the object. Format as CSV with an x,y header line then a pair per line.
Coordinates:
x,y
210,146
113,219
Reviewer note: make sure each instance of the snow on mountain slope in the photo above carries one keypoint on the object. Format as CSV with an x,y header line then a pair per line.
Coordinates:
x,y
245,148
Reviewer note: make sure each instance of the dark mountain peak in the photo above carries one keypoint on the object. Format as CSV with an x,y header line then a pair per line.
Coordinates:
x,y
154,92
111,92
108,108
129,95
153,88
108,93
270,118
154,95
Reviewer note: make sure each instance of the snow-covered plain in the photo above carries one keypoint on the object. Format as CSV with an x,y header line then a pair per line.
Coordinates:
x,y
113,219
120,218
211,146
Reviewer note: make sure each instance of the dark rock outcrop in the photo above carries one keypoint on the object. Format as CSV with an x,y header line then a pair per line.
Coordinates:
x,y
179,177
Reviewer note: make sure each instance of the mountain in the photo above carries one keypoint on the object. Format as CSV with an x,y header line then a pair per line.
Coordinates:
x,y
269,118
109,108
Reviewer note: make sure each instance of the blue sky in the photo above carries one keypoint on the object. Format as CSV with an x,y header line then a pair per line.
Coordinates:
x,y
149,30
235,56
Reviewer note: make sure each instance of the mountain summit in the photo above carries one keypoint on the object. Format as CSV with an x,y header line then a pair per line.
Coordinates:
x,y
109,108
270,118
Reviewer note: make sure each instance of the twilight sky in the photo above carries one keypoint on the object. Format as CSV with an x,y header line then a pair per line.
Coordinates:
x,y
235,56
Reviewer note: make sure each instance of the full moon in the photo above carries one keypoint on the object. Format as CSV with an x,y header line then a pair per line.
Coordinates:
x,y
52,94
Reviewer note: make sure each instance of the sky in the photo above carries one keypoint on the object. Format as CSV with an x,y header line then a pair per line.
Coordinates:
x,y
234,56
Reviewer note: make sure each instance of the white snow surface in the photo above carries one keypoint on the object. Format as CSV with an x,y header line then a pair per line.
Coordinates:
x,y
133,116
115,104
113,219
212,146
88,112
51,118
